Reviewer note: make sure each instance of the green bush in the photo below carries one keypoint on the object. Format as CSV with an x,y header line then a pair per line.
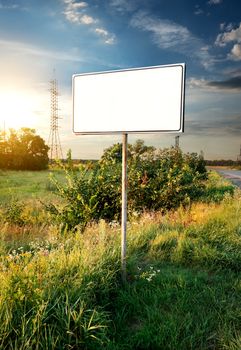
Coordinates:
x,y
162,180
157,180
80,196
13,213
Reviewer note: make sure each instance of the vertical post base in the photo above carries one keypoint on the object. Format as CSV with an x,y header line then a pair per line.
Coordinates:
x,y
124,207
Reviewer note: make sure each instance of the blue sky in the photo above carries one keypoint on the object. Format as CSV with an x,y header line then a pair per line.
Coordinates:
x,y
74,36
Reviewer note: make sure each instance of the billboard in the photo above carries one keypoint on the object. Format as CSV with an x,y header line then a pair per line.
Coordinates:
x,y
140,100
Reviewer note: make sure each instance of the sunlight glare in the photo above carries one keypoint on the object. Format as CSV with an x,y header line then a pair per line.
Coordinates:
x,y
17,109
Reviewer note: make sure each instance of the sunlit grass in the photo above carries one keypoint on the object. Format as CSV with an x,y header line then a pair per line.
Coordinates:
x,y
64,291
27,185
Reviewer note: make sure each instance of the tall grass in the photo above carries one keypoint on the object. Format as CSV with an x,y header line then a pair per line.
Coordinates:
x,y
61,291
64,291
50,295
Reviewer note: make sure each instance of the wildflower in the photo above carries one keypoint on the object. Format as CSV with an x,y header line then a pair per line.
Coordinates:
x,y
45,252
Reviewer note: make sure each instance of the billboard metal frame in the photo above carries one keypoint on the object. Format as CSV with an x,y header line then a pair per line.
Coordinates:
x,y
124,134
119,132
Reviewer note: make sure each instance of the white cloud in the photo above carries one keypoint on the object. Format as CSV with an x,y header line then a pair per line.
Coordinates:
x,y
123,5
195,83
109,38
78,5
214,2
222,26
75,4
101,31
75,12
230,85
226,27
235,54
198,12
229,35
85,19
21,49
166,34
172,36
9,7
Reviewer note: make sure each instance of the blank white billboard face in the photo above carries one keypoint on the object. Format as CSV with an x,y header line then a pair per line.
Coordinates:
x,y
127,101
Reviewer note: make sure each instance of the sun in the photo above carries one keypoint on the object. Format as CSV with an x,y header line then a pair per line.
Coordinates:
x,y
17,109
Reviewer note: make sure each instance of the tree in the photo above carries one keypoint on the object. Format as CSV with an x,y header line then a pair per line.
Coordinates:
x,y
3,146
113,154
24,150
139,148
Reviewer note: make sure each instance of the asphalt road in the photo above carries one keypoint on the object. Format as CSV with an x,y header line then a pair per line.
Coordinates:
x,y
232,175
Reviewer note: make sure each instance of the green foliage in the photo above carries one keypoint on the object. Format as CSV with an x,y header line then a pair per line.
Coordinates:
x,y
69,160
13,213
89,195
54,312
216,188
157,180
164,179
80,194
23,150
112,155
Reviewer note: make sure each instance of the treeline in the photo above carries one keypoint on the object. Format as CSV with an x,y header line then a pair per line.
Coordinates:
x,y
23,150
223,162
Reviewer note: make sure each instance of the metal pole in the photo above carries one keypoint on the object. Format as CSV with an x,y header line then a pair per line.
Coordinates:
x,y
124,207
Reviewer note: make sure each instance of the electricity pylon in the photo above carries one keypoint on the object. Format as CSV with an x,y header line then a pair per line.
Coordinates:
x,y
55,150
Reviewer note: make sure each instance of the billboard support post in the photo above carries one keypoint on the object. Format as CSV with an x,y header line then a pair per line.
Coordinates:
x,y
142,100
124,206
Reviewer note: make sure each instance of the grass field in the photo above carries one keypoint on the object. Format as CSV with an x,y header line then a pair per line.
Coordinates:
x,y
23,185
62,291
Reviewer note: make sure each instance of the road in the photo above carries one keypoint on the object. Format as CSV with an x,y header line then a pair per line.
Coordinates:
x,y
232,175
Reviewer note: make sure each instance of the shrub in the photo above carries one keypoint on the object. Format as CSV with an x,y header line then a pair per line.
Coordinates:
x,y
157,180
13,213
80,196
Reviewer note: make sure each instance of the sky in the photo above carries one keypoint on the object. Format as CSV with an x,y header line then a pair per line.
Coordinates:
x,y
45,39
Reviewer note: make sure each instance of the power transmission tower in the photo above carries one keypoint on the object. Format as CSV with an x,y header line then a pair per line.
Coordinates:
x,y
55,151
